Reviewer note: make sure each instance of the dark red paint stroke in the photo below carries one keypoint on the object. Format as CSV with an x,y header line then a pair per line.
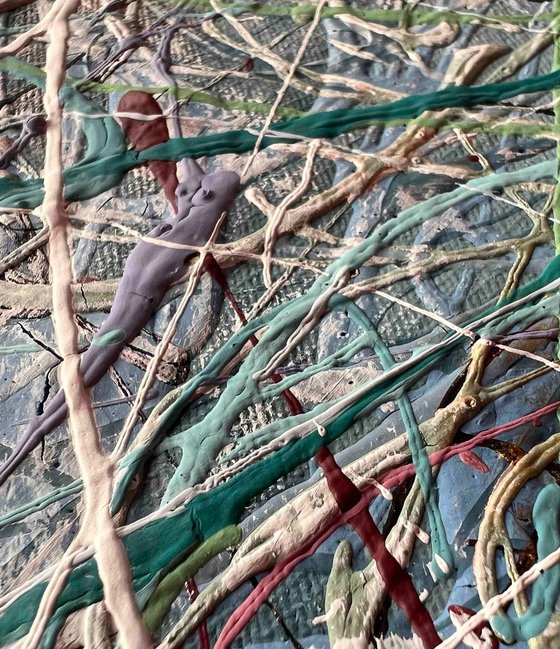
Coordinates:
x,y
215,271
397,580
241,617
144,134
203,637
349,497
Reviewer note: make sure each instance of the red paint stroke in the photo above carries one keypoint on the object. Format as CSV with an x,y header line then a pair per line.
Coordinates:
x,y
470,458
203,637
243,614
347,495
144,134
397,581
397,476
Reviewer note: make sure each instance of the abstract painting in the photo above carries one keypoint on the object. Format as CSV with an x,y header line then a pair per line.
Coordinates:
x,y
279,301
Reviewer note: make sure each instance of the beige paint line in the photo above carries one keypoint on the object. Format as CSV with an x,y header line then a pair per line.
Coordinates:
x,y
468,333
286,83
271,233
95,467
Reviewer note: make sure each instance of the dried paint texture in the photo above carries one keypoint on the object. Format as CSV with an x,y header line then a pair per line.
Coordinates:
x,y
328,420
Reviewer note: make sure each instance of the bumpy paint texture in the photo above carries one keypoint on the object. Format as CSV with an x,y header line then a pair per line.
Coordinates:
x,y
279,333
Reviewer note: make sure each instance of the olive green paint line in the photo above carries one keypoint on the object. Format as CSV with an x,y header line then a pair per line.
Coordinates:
x,y
211,511
196,96
201,518
204,516
417,16
172,584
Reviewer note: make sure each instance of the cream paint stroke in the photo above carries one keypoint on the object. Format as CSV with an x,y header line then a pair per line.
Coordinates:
x,y
96,469
286,83
274,221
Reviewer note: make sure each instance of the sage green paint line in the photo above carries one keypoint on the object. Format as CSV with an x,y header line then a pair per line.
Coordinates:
x,y
92,177
104,137
211,511
546,589
172,584
112,337
201,443
196,96
438,538
20,349
132,460
40,503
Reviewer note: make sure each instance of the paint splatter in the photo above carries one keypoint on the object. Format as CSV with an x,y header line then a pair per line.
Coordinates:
x,y
279,324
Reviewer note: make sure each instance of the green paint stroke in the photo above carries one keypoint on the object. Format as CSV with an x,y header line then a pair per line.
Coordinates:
x,y
211,511
195,96
104,136
556,98
213,430
93,177
423,468
201,443
112,337
20,349
546,589
40,503
172,584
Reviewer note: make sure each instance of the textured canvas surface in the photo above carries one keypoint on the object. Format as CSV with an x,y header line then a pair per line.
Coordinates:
x,y
339,426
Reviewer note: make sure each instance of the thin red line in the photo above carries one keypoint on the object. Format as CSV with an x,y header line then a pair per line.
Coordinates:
x,y
203,637
397,476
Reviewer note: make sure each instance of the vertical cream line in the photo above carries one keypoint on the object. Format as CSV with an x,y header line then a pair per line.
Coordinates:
x,y
96,468
285,85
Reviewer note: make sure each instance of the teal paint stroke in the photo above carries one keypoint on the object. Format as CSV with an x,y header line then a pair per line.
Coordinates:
x,y
546,589
110,338
20,349
407,219
104,136
438,539
94,176
201,443
38,504
206,514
